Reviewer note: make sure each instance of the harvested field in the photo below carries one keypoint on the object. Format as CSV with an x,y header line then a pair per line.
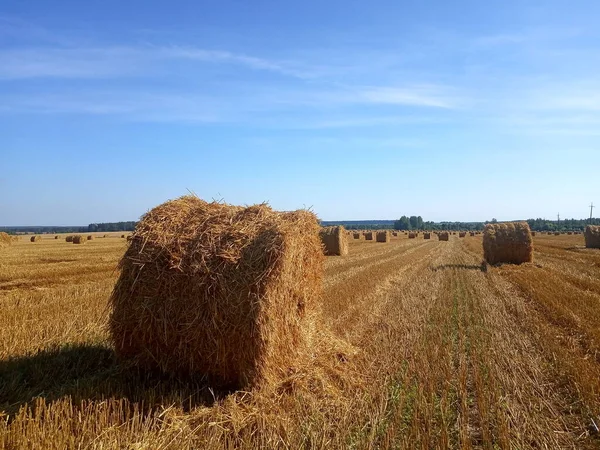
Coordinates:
x,y
439,354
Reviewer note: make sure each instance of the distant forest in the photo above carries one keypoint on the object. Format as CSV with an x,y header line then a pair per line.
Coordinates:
x,y
404,223
417,223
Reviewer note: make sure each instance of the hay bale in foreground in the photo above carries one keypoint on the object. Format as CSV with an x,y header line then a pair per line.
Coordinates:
x,y
78,239
334,240
90,238
592,236
412,235
35,238
507,243
383,236
444,236
369,236
426,235
69,238
209,289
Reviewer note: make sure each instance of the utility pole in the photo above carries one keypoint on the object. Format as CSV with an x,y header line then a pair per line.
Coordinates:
x,y
558,224
591,211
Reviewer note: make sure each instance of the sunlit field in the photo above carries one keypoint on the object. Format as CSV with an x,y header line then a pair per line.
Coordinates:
x,y
438,351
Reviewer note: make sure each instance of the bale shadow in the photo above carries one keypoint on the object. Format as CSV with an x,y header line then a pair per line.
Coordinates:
x,y
481,267
92,372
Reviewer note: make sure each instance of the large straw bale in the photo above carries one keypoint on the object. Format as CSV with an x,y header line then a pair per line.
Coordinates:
x,y
69,238
5,239
412,235
444,236
426,235
462,234
210,289
507,243
369,235
35,238
334,240
78,239
383,236
357,236
90,237
592,236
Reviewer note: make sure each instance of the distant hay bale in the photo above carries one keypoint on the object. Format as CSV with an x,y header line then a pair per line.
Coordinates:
x,y
5,239
357,235
507,243
218,291
35,238
394,234
570,233
334,241
426,235
105,236
78,239
369,236
592,236
90,238
383,236
412,235
444,236
122,236
471,233
55,237
556,233
533,233
462,234
69,238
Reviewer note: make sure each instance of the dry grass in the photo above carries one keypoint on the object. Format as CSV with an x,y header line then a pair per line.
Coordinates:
x,y
507,243
445,356
5,239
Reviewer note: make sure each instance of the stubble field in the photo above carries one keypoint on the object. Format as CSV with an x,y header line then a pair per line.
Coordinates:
x,y
438,353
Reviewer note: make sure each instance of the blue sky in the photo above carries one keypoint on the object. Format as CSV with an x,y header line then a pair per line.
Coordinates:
x,y
462,110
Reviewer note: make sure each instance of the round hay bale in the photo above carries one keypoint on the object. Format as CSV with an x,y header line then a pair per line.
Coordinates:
x,y
507,243
5,239
334,240
462,234
35,238
471,233
533,233
78,239
69,239
592,236
226,292
383,236
369,236
357,236
443,236
90,237
426,235
412,235
122,236
55,237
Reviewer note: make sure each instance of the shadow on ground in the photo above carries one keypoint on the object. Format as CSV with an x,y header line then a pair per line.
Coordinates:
x,y
91,372
482,267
